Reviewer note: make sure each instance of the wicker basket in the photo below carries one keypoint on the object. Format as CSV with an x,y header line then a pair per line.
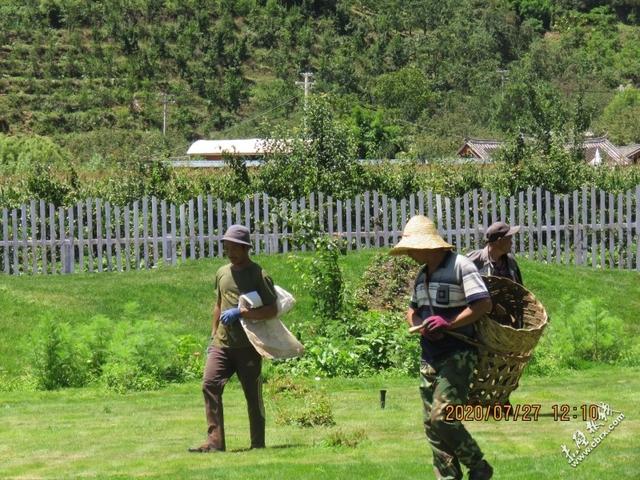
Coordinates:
x,y
507,336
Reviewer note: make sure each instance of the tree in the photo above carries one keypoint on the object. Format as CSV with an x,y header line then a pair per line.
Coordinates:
x,y
535,108
375,137
627,59
620,117
539,10
320,157
406,91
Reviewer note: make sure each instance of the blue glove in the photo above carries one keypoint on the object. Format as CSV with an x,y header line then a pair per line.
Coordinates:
x,y
229,316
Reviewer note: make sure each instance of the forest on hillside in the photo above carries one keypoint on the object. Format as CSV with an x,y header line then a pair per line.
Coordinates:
x,y
408,78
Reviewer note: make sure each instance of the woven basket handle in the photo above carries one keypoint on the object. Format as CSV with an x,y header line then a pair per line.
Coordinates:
x,y
482,346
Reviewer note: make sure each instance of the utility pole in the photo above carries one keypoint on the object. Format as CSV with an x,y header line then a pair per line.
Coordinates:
x,y
307,84
166,99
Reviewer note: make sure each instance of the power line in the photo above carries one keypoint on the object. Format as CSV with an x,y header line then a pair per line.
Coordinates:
x,y
261,114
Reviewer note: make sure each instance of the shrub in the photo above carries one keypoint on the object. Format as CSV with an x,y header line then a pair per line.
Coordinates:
x,y
281,385
97,337
546,359
328,357
139,356
382,343
588,334
146,355
20,154
320,274
361,345
187,363
630,356
592,332
60,360
125,377
129,355
387,283
325,279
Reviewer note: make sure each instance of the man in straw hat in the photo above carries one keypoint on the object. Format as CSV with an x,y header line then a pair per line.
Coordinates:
x,y
230,351
496,259
448,296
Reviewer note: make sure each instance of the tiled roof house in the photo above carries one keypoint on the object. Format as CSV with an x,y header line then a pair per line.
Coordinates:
x,y
606,151
596,150
480,149
632,152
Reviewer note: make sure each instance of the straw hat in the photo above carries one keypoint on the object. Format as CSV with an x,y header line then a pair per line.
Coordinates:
x,y
420,233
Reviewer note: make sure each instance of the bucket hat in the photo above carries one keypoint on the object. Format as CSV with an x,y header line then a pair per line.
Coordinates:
x,y
420,233
499,230
238,234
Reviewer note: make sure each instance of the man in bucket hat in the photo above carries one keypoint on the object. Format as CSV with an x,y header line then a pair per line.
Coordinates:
x,y
448,296
496,259
230,351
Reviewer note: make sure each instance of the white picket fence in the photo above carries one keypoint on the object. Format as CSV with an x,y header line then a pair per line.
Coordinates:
x,y
587,227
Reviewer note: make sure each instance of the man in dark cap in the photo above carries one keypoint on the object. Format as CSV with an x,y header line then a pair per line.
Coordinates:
x,y
496,259
230,350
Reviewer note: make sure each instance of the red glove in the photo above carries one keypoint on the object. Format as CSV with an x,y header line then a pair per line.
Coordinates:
x,y
435,323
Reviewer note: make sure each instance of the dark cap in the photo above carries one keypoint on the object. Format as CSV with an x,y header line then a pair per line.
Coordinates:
x,y
499,230
238,234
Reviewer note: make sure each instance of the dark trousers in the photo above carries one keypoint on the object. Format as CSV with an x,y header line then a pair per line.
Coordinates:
x,y
444,384
222,363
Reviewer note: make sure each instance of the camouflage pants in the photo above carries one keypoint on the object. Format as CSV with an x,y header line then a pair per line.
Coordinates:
x,y
446,382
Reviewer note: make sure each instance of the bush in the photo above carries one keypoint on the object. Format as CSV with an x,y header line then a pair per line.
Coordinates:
x,y
127,356
188,362
327,357
592,333
60,360
139,357
360,345
125,377
387,283
630,357
281,385
589,334
325,279
20,154
97,338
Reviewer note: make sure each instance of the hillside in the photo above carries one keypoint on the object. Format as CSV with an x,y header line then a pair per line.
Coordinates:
x,y
412,77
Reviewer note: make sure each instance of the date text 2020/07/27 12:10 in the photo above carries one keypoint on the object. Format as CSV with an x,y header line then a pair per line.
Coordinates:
x,y
526,412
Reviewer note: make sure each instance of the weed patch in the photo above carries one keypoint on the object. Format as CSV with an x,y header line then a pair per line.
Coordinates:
x,y
298,404
350,439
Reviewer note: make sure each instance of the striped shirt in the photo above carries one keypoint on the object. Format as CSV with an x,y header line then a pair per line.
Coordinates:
x,y
455,285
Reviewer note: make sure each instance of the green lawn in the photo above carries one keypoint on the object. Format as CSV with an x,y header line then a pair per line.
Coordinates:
x,y
96,434
99,434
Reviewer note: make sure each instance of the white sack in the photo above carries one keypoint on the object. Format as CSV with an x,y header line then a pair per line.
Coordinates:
x,y
270,337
